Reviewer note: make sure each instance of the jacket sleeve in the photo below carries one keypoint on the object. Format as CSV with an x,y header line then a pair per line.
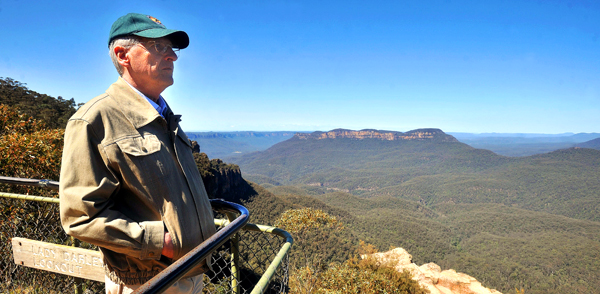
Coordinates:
x,y
86,209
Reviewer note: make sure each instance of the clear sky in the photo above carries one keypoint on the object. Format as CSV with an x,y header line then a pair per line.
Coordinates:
x,y
462,66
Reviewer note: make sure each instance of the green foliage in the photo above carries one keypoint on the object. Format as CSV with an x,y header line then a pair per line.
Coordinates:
x,y
352,278
307,262
54,111
306,219
31,134
355,275
312,274
319,237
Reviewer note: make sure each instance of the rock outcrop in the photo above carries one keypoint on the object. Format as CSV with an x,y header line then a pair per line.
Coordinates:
x,y
420,134
431,276
221,180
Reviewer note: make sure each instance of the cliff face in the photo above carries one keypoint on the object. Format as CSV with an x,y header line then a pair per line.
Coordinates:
x,y
224,179
419,134
221,180
431,276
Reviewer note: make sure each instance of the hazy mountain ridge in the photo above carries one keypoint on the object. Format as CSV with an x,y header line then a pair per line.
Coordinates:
x,y
233,144
518,144
593,144
198,135
419,134
228,144
571,137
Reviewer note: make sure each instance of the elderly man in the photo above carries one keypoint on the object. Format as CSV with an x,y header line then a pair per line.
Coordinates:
x,y
128,181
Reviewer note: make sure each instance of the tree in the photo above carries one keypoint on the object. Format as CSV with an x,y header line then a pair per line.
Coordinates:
x,y
55,112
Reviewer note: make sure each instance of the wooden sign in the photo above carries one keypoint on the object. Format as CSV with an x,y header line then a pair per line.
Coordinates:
x,y
72,261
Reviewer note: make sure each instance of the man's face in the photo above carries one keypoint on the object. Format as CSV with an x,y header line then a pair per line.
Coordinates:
x,y
151,68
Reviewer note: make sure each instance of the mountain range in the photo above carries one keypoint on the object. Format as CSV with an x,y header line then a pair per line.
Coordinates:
x,y
524,144
593,144
233,144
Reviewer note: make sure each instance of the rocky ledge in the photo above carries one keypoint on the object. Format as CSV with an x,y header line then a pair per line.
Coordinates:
x,y
419,134
431,276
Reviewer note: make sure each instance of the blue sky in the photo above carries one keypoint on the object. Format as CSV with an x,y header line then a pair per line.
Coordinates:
x,y
461,66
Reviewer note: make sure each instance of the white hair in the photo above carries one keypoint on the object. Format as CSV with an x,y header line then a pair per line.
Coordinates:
x,y
126,42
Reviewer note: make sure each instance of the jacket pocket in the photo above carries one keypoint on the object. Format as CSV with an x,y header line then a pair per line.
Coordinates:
x,y
140,146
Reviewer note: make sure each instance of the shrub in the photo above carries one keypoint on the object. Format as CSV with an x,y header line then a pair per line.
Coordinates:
x,y
28,149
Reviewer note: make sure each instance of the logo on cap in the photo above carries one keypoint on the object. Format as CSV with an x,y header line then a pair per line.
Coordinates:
x,y
154,19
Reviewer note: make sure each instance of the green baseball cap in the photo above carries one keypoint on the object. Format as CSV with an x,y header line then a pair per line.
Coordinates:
x,y
148,27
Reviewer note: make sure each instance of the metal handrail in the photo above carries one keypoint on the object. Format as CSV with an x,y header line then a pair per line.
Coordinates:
x,y
30,182
263,283
179,268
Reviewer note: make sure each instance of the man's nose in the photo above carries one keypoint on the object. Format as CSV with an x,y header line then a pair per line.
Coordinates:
x,y
171,55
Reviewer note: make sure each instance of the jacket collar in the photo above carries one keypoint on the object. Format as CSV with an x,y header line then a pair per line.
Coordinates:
x,y
135,107
174,120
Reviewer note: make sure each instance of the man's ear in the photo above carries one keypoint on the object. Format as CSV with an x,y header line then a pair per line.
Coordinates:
x,y
122,56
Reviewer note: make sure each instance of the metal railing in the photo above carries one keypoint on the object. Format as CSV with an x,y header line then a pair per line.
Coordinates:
x,y
177,269
30,182
240,251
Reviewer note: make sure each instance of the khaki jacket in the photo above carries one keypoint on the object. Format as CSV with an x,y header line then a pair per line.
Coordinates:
x,y
128,174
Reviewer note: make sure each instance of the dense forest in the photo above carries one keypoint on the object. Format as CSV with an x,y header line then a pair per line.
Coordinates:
x,y
529,222
55,112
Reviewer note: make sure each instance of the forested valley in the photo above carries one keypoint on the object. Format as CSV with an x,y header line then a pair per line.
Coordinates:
x,y
527,222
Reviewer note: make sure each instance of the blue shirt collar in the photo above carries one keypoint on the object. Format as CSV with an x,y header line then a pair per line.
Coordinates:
x,y
161,106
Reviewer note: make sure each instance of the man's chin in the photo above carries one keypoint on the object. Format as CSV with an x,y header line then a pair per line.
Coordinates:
x,y
168,82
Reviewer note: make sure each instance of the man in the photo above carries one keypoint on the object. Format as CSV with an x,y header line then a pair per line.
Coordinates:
x,y
128,181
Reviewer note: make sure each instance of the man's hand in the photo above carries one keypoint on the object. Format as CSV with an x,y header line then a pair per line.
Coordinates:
x,y
168,246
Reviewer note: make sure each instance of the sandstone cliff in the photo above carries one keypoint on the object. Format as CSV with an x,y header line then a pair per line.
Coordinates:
x,y
419,134
431,276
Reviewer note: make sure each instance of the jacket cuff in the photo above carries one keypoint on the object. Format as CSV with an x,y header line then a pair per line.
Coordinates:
x,y
154,237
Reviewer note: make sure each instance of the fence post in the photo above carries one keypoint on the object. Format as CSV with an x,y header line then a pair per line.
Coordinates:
x,y
235,274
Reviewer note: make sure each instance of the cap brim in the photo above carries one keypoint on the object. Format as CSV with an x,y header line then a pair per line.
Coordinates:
x,y
179,39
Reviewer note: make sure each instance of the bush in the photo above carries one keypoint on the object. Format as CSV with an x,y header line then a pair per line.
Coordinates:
x,y
28,149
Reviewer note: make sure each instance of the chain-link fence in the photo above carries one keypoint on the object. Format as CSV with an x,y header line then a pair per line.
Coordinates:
x,y
239,264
